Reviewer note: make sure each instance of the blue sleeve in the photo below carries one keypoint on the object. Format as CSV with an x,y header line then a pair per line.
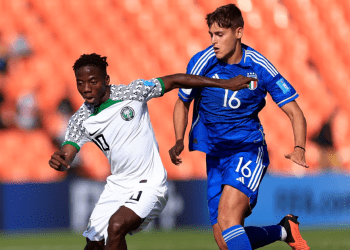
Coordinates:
x,y
281,91
196,66
187,95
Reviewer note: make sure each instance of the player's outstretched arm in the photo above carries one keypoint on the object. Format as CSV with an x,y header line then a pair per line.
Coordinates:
x,y
61,159
180,123
298,121
193,81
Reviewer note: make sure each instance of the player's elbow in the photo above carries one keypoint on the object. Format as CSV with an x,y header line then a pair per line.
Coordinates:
x,y
172,81
180,104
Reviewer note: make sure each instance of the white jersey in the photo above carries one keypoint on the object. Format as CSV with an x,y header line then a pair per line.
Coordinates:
x,y
122,129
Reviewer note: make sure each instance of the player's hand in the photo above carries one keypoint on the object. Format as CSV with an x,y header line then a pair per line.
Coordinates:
x,y
58,162
297,156
240,82
175,152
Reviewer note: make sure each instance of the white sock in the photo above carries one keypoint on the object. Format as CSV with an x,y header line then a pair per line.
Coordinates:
x,y
283,234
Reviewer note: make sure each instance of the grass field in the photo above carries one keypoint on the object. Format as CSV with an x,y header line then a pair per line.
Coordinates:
x,y
154,240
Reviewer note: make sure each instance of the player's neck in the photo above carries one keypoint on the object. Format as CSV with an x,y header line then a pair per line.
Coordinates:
x,y
236,57
105,96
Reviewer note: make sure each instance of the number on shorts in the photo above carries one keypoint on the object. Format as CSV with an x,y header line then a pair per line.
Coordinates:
x,y
137,198
246,172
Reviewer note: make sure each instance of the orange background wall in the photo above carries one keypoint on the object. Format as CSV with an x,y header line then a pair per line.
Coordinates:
x,y
307,41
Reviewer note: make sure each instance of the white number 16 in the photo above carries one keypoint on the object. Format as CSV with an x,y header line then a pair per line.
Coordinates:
x,y
233,98
246,172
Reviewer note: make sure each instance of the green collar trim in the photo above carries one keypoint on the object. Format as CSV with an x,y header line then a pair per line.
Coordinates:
x,y
163,86
104,105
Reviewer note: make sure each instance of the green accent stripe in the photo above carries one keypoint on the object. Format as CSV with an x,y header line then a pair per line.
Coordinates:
x,y
104,105
161,83
71,143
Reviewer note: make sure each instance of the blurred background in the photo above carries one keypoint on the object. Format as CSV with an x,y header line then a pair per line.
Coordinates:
x,y
307,41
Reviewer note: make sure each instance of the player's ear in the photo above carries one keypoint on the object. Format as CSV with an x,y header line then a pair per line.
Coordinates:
x,y
239,32
107,79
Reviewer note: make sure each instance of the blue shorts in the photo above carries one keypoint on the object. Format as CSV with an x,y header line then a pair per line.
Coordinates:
x,y
243,171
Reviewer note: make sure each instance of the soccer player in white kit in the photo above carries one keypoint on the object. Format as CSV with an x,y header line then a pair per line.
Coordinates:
x,y
116,119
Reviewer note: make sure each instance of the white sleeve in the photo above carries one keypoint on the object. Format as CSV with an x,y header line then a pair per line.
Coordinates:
x,y
75,134
139,90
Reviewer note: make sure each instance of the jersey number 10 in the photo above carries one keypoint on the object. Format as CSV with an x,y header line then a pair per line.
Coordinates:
x,y
100,141
232,98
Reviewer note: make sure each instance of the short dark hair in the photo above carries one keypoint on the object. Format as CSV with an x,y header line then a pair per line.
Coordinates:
x,y
92,59
226,16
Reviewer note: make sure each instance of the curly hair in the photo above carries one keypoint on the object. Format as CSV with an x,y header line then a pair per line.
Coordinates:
x,y
91,59
226,16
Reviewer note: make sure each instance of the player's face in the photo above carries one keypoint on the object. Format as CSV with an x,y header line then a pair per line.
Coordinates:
x,y
225,41
92,84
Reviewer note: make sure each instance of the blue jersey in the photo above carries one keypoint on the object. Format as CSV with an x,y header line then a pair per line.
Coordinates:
x,y
225,121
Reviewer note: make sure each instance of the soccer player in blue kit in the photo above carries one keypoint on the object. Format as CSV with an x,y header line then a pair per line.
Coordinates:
x,y
226,127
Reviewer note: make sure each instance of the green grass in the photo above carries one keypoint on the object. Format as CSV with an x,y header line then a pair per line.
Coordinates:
x,y
154,240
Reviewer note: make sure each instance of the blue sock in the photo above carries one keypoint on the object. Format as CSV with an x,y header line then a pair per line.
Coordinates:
x,y
262,236
236,238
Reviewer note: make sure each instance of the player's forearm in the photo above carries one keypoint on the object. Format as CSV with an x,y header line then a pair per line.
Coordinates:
x,y
191,81
180,119
299,129
298,121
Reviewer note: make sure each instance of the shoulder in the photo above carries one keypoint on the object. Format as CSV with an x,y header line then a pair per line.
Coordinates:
x,y
82,114
201,60
124,92
259,62
117,91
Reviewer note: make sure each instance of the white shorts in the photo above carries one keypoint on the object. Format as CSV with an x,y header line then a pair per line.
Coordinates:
x,y
146,202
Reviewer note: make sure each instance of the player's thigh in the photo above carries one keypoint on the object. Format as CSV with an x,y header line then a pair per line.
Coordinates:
x,y
233,207
147,203
244,171
109,202
123,221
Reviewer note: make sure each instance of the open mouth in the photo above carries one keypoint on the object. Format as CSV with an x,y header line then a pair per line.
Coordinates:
x,y
89,99
216,50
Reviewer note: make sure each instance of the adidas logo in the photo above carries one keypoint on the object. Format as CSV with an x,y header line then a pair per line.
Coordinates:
x,y
241,179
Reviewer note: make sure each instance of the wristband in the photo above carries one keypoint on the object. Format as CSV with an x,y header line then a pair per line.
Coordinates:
x,y
300,147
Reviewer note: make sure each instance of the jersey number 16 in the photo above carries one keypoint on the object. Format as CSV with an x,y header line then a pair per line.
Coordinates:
x,y
233,99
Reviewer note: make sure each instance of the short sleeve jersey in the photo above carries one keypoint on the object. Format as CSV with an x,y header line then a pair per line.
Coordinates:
x,y
226,121
121,128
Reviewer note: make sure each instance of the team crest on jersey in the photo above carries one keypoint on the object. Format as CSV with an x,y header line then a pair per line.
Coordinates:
x,y
127,113
253,84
